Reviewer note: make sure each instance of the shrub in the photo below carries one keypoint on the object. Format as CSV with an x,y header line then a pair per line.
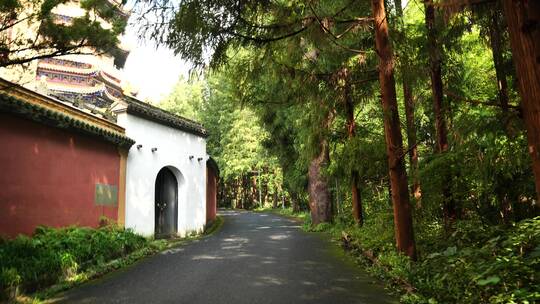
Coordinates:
x,y
495,265
51,255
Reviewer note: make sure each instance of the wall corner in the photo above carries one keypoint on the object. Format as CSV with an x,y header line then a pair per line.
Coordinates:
x,y
121,219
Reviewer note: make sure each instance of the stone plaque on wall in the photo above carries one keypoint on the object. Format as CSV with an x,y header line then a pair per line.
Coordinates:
x,y
106,195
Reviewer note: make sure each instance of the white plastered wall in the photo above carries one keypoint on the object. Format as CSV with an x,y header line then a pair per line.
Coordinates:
x,y
173,150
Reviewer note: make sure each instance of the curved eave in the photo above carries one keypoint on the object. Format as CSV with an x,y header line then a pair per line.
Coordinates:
x,y
108,80
23,103
110,96
67,70
74,89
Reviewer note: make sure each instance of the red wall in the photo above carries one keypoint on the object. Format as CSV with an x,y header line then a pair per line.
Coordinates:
x,y
211,194
48,176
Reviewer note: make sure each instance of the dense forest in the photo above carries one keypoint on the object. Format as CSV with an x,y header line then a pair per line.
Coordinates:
x,y
410,129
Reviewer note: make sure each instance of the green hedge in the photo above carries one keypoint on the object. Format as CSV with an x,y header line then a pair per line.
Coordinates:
x,y
52,255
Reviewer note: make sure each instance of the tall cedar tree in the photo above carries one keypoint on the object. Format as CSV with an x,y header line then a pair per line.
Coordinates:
x,y
495,29
434,49
523,20
392,130
356,195
408,99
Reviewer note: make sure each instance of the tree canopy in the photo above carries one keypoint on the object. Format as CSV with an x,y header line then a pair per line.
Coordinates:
x,y
364,113
30,30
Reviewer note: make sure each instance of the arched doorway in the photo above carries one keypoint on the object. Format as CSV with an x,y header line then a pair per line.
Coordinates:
x,y
166,204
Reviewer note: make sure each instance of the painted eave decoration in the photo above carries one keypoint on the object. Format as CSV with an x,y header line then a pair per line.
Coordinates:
x,y
150,112
39,108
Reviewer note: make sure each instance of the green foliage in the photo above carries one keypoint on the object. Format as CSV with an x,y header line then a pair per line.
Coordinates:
x,y
320,227
10,277
31,29
214,226
54,254
273,103
9,5
236,139
484,264
478,263
186,99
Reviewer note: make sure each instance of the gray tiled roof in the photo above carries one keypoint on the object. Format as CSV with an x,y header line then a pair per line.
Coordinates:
x,y
148,111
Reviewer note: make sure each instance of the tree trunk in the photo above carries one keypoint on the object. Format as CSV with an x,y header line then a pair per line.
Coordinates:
x,y
392,130
255,193
411,143
221,194
521,16
238,192
320,202
234,193
449,207
259,185
356,200
265,194
496,47
319,196
436,78
351,131
246,190
242,191
409,115
274,199
294,202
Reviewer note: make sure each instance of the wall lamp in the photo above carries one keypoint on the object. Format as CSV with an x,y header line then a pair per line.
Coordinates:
x,y
154,149
190,157
199,159
139,147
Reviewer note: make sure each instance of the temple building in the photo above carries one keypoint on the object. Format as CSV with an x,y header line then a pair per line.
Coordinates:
x,y
91,82
80,79
80,148
147,171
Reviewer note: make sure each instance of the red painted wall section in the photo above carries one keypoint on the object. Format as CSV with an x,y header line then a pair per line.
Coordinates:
x,y
48,176
211,194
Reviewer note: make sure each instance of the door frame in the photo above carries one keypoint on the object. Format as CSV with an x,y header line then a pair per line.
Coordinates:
x,y
176,205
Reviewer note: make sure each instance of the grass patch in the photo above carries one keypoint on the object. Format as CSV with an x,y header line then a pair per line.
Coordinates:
x,y
303,216
214,226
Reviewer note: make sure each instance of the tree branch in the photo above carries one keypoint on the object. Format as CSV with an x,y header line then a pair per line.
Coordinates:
x,y
455,3
12,24
274,25
334,38
271,39
479,102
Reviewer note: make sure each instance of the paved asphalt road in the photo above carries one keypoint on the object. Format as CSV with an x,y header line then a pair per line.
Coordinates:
x,y
254,258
